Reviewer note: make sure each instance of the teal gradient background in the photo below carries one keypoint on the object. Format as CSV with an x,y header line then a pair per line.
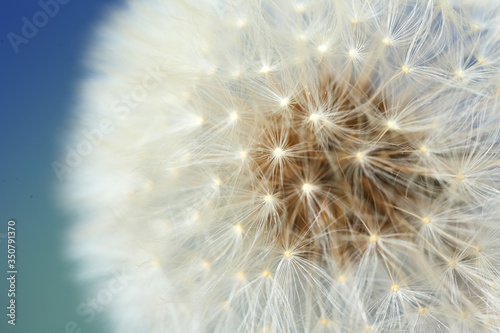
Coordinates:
x,y
38,87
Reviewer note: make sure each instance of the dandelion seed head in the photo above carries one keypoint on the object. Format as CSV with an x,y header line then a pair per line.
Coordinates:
x,y
321,165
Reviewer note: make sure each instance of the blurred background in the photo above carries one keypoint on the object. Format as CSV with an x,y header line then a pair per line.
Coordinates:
x,y
42,49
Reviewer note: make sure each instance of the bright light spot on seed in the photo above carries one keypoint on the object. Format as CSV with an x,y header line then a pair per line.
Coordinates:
x,y
284,102
354,21
278,152
324,321
459,74
391,124
266,274
234,116
395,288
405,69
156,262
240,275
360,156
265,69
424,149
421,311
200,121
479,249
373,238
287,254
353,54
299,8
426,220
306,187
243,154
368,329
206,265
461,176
480,60
241,23
217,182
387,41
313,117
342,278
269,198
452,264
238,229
322,48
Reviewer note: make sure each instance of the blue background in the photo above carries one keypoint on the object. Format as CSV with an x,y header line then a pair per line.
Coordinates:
x,y
38,87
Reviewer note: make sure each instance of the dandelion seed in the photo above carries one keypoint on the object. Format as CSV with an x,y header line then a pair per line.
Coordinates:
x,y
387,41
323,48
306,187
234,116
238,229
284,102
360,156
391,124
341,278
265,69
353,54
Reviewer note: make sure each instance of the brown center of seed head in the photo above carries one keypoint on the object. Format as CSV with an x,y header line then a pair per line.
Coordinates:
x,y
340,173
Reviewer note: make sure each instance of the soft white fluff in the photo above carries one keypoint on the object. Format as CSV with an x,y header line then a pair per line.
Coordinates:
x,y
294,166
